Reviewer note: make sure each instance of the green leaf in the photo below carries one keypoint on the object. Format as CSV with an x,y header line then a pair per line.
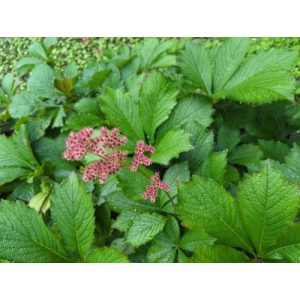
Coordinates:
x,y
73,216
287,248
245,154
203,204
174,142
37,50
228,138
25,237
228,58
274,150
157,99
24,104
214,166
81,120
187,111
88,105
125,220
107,255
202,141
262,79
194,239
37,126
41,81
152,54
196,65
120,111
218,254
164,247
144,228
49,42
268,204
292,161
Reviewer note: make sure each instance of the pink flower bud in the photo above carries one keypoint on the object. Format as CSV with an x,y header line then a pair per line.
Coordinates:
x,y
139,157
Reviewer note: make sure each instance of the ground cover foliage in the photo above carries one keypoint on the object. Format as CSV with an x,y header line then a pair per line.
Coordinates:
x,y
160,150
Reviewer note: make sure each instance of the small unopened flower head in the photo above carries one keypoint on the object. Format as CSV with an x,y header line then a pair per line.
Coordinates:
x,y
152,190
139,157
78,144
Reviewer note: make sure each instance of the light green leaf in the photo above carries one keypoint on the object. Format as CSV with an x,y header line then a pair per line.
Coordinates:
x,y
228,58
187,111
24,104
245,154
164,247
120,111
194,239
218,254
25,237
262,79
107,255
37,50
287,248
204,204
158,97
196,66
174,142
268,204
73,216
125,220
144,228
78,121
214,166
292,162
41,81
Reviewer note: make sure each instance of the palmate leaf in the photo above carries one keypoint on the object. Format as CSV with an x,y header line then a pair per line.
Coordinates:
x,y
204,204
218,254
73,216
196,64
157,99
25,237
187,111
120,111
144,228
261,78
228,58
174,142
287,248
268,204
106,255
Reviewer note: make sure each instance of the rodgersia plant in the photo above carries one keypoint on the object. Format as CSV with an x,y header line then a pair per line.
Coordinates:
x,y
111,158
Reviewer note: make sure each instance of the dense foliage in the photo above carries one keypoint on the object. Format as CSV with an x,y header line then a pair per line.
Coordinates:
x,y
161,150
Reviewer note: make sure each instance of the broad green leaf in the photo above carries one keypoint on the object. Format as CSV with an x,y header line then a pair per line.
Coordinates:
x,y
292,162
80,120
125,220
164,246
218,254
107,255
214,166
204,204
157,99
174,142
274,150
228,58
120,111
41,81
12,173
187,111
36,127
25,237
194,239
73,216
245,154
144,228
268,204
262,79
196,65
152,54
88,105
49,42
24,104
287,248
37,50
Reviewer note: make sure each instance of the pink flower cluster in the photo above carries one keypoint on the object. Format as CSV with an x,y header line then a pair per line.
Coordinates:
x,y
152,190
106,145
139,156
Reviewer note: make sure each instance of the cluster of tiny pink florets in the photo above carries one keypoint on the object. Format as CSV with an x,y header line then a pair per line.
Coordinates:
x,y
106,145
152,190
